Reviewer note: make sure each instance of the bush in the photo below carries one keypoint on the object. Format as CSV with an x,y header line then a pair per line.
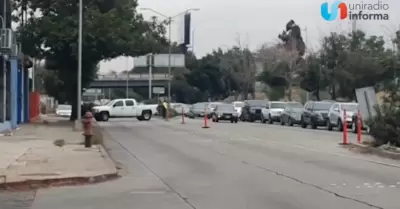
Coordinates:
x,y
385,126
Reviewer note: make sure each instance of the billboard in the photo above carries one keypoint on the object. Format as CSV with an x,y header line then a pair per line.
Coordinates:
x,y
160,60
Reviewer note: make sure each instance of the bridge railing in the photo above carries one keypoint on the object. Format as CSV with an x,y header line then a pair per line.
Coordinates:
x,y
157,76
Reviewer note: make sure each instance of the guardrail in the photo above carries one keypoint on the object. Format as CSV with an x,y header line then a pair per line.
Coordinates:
x,y
133,77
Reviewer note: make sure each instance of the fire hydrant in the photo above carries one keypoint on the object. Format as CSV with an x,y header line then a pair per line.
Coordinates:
x,y
88,128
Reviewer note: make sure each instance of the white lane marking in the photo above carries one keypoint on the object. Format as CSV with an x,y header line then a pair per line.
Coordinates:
x,y
344,184
358,187
333,184
392,186
377,183
381,186
366,184
398,183
370,186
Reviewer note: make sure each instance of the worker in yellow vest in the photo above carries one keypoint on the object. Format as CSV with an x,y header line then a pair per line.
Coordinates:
x,y
165,108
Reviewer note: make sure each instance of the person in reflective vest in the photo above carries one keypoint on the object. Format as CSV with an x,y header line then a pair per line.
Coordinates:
x,y
165,108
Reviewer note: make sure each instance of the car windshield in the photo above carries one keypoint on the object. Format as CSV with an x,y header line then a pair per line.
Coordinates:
x,y
238,104
278,105
322,105
226,108
258,103
64,107
349,107
295,105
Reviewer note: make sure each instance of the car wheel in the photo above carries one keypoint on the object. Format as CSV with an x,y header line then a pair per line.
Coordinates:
x,y
146,115
313,125
290,123
329,126
282,122
340,125
104,116
303,124
231,121
263,119
236,121
270,120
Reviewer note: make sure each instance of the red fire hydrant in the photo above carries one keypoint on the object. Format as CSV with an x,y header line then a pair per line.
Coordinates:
x,y
88,128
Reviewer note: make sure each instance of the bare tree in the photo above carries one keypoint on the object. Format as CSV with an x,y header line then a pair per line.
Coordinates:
x,y
280,64
240,62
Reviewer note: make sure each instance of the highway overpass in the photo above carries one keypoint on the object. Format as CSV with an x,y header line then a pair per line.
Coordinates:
x,y
132,81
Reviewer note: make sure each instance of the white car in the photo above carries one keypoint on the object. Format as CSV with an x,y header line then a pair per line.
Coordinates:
x,y
119,108
336,115
272,112
238,106
64,110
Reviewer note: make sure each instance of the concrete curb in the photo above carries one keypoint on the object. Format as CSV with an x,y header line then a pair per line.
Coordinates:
x,y
57,182
365,149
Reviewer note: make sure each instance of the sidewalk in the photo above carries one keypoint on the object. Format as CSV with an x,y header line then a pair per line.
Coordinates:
x,y
29,156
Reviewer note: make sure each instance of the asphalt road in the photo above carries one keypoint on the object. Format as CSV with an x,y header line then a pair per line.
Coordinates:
x,y
246,165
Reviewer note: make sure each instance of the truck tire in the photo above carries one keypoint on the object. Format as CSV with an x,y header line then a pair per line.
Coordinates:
x,y
146,114
104,116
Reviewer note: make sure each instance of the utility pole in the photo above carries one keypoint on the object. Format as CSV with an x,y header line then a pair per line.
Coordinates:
x,y
127,78
79,77
169,20
150,57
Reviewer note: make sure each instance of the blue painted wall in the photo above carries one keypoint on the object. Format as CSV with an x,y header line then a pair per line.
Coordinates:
x,y
19,96
14,92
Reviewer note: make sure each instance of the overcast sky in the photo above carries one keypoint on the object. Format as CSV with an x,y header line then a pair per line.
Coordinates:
x,y
220,22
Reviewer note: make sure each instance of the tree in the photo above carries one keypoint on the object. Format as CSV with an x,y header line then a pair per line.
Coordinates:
x,y
240,63
111,28
315,77
283,62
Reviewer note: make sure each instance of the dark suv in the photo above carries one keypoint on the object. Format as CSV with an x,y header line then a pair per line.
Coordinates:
x,y
252,110
315,114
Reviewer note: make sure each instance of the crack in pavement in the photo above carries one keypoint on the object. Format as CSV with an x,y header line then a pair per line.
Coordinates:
x,y
247,163
288,177
185,199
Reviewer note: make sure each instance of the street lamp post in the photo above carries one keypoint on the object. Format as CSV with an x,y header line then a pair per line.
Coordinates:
x,y
170,18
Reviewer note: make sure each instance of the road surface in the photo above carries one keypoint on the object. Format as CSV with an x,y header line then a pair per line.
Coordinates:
x,y
246,165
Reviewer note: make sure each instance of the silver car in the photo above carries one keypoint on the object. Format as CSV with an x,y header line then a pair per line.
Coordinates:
x,y
272,112
336,115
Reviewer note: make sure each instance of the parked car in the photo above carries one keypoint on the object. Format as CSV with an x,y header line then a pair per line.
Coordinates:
x,y
238,106
119,108
64,110
315,114
252,110
336,116
181,108
211,107
198,110
272,112
292,113
225,112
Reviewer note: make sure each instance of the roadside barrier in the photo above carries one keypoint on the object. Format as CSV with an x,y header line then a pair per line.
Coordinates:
x,y
359,126
205,119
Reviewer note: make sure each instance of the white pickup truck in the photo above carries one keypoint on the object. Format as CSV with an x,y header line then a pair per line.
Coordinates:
x,y
120,108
